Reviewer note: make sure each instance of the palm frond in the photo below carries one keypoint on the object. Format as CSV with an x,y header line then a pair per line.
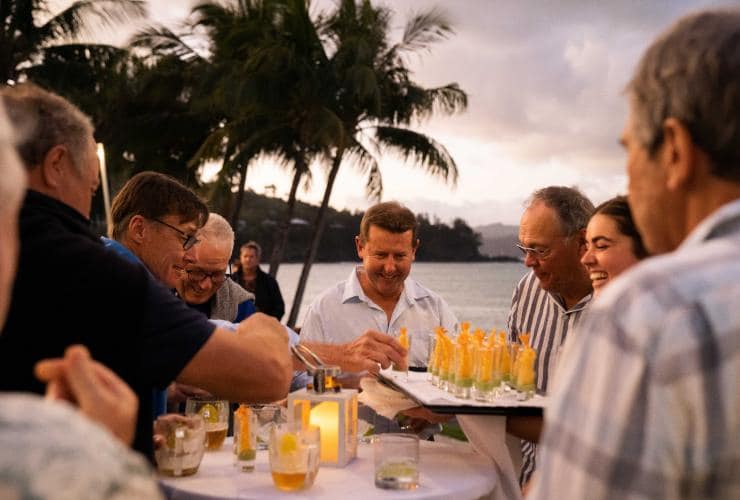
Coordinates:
x,y
160,40
357,155
76,19
424,29
420,150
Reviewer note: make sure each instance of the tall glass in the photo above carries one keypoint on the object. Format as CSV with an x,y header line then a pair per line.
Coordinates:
x,y
294,456
404,338
245,438
215,413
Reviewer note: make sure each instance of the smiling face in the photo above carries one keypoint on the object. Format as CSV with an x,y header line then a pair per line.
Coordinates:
x,y
161,248
211,258
560,265
608,251
386,259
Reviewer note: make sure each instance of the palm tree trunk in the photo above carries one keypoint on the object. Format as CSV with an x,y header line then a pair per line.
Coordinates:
x,y
281,237
239,196
315,240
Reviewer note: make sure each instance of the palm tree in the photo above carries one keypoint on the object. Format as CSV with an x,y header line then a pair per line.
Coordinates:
x,y
23,42
375,101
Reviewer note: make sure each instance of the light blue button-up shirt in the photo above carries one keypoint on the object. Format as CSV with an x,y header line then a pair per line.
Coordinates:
x,y
344,312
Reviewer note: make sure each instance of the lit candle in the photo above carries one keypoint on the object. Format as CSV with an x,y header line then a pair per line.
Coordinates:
x,y
325,416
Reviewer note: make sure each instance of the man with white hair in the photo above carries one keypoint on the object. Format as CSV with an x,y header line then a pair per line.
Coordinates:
x,y
204,285
647,404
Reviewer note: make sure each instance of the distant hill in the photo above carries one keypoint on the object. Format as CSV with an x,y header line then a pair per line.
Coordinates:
x,y
498,240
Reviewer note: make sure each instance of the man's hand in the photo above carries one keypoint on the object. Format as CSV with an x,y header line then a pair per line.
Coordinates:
x,y
98,392
370,351
179,393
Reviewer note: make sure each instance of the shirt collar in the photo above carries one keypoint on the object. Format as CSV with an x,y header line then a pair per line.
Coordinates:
x,y
353,290
724,220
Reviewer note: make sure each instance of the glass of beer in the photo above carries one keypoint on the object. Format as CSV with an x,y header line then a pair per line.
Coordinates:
x,y
294,456
181,446
215,413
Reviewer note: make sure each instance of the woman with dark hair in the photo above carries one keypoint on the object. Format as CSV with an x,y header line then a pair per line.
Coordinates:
x,y
612,242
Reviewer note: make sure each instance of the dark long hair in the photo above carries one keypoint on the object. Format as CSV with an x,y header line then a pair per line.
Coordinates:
x,y
618,209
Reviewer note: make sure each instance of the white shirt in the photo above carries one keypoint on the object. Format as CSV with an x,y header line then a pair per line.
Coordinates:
x,y
343,312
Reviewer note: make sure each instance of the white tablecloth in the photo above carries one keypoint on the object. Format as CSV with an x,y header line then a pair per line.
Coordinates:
x,y
446,471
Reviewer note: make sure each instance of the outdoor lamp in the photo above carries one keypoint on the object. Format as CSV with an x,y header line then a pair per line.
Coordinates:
x,y
329,407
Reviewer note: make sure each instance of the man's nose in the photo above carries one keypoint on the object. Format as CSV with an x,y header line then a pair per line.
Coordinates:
x,y
389,265
530,260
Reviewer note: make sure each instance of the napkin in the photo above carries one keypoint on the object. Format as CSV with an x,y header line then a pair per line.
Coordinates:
x,y
381,398
487,435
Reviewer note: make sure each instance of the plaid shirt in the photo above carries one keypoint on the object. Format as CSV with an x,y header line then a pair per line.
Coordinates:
x,y
647,401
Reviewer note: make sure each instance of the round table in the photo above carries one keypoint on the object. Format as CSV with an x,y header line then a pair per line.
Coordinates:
x,y
446,471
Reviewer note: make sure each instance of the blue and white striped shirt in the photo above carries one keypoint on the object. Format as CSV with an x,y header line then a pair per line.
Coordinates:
x,y
545,317
647,403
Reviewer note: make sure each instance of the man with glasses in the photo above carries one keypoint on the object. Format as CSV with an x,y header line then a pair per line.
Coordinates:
x,y
204,285
549,300
125,317
155,221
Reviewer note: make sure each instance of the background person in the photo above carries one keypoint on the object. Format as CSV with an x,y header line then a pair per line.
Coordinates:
x,y
648,404
269,300
52,446
613,243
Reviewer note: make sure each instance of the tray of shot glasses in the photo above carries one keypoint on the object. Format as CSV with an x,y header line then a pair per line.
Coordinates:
x,y
418,386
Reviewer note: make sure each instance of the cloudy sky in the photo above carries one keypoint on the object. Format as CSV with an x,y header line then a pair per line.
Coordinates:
x,y
544,80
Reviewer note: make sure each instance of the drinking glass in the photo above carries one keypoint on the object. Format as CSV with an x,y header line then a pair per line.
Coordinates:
x,y
294,456
183,444
405,341
245,438
215,413
267,416
396,461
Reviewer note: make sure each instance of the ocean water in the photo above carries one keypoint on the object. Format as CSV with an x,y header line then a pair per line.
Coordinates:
x,y
477,292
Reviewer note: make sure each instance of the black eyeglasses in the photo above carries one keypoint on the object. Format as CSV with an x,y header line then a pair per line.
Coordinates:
x,y
536,252
189,239
198,275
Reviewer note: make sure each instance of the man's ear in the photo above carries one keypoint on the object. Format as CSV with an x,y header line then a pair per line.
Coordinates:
x,y
53,165
136,229
415,248
678,154
358,246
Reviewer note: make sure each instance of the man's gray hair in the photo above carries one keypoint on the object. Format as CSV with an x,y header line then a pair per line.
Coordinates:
x,y
692,73
571,206
47,120
217,229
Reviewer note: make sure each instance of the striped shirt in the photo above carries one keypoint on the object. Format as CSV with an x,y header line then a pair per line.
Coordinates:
x,y
647,404
543,315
